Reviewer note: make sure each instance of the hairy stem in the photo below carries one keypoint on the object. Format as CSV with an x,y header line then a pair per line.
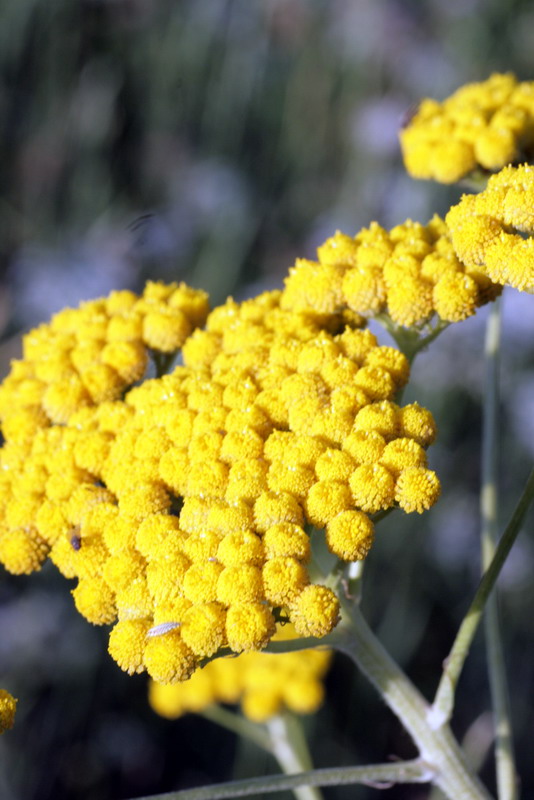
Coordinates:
x,y
437,748
376,775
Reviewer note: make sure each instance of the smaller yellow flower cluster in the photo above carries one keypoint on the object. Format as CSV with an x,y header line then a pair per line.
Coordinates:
x,y
265,684
8,707
411,272
91,354
492,231
488,124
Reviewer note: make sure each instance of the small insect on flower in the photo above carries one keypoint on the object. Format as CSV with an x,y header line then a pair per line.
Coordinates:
x,y
163,628
74,538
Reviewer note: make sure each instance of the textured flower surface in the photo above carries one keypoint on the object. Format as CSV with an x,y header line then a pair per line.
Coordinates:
x,y
8,707
264,683
183,505
484,125
492,231
411,272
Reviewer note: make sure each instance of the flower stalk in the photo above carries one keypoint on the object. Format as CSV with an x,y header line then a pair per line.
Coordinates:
x,y
504,745
443,704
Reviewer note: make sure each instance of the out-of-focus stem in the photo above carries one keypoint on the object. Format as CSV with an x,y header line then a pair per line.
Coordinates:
x,y
444,702
289,747
504,745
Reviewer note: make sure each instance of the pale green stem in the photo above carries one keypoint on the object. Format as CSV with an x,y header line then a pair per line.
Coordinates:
x,y
376,775
504,744
444,702
437,748
409,340
289,747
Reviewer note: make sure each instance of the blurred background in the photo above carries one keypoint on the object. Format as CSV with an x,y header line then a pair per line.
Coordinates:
x,y
214,142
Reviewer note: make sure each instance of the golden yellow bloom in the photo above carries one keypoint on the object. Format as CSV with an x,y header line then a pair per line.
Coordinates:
x,y
487,125
8,707
168,659
488,230
127,644
249,626
350,535
417,489
315,611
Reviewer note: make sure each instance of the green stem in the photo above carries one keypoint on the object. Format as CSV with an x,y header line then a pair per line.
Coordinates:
x,y
444,701
375,775
289,747
504,745
410,340
437,748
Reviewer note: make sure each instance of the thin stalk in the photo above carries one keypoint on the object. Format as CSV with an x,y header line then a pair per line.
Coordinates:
x,y
289,747
376,775
504,744
441,710
437,748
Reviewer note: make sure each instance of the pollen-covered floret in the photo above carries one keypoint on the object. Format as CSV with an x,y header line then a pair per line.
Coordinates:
x,y
410,273
486,125
492,232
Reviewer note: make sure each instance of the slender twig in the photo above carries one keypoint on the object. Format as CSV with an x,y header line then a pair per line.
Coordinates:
x,y
504,745
444,701
376,775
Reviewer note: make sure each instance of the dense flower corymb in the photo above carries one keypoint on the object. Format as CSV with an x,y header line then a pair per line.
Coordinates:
x,y
410,272
492,231
183,508
488,125
265,684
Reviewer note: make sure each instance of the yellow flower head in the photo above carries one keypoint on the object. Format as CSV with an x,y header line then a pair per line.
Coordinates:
x,y
184,508
491,232
410,273
486,125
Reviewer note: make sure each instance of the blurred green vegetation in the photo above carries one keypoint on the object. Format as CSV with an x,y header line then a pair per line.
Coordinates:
x,y
214,142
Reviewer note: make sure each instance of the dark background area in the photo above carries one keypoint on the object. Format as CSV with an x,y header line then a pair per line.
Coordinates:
x,y
215,141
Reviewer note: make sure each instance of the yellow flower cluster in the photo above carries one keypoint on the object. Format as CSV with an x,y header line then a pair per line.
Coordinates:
x,y
91,354
265,684
488,124
411,272
8,707
181,508
492,231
